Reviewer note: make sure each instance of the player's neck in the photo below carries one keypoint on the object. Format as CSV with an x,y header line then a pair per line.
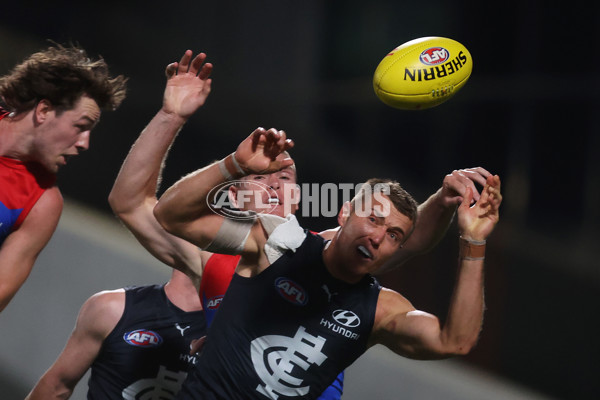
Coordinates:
x,y
183,295
13,143
334,267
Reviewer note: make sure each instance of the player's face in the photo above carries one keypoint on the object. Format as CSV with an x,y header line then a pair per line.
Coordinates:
x,y
64,135
369,237
273,193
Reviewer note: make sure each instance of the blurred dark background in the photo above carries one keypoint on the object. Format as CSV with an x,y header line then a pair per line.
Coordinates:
x,y
528,113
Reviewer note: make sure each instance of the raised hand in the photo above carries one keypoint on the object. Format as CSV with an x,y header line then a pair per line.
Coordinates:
x,y
263,151
478,221
456,183
188,85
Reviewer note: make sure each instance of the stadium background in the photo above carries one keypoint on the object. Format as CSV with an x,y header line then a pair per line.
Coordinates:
x,y
527,113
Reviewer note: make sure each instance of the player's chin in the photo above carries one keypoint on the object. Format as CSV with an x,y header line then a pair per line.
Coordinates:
x,y
280,210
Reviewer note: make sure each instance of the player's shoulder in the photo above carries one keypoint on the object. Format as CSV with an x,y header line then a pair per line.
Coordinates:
x,y
329,233
50,201
392,301
104,303
100,313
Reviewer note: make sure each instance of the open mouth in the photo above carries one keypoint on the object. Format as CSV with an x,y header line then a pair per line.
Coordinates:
x,y
364,252
274,201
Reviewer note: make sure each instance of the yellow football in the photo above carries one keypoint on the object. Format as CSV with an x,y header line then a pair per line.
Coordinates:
x,y
422,73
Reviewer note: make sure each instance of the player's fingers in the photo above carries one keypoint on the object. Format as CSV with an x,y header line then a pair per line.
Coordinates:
x,y
184,63
197,62
467,198
171,69
196,345
205,71
459,181
477,174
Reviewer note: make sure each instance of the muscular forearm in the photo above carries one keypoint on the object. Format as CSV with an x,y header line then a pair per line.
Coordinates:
x,y
465,315
434,218
48,389
183,210
139,176
433,221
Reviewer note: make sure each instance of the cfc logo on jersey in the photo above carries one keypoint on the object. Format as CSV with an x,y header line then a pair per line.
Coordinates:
x,y
281,361
143,338
291,291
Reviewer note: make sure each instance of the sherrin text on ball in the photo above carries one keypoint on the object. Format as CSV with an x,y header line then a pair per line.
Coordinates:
x,y
422,73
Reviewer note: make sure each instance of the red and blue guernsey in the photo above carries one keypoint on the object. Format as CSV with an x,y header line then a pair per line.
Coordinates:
x,y
21,186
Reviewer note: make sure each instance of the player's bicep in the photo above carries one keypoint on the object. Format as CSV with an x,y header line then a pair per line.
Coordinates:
x,y
405,330
96,319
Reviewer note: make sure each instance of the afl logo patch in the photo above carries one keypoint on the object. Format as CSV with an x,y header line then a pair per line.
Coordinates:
x,y
214,302
434,56
346,318
143,338
291,291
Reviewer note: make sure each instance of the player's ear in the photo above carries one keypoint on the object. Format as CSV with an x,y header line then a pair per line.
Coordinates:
x,y
41,110
344,213
232,194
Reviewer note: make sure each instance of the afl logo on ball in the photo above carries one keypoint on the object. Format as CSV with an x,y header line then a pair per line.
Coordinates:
x,y
434,56
142,338
291,291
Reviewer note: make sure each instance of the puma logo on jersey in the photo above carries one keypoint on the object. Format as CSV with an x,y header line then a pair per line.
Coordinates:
x,y
329,294
181,329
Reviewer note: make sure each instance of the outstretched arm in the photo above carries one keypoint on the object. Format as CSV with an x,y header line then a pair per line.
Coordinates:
x,y
97,318
437,212
183,209
417,334
133,195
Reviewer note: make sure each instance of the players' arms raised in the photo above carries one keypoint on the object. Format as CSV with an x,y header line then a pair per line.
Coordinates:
x,y
133,195
437,212
416,334
183,209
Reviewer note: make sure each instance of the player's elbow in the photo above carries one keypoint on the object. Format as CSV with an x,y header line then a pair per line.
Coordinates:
x,y
169,222
117,203
7,292
162,216
464,345
52,387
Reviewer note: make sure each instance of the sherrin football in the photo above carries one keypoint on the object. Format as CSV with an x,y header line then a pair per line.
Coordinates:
x,y
422,73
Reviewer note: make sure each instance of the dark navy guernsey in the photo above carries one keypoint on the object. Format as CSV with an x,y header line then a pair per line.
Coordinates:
x,y
285,333
146,356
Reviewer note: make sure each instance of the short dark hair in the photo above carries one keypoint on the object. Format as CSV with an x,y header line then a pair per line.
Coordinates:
x,y
61,75
400,198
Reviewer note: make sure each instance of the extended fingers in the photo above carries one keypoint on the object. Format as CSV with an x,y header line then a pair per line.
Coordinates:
x,y
184,63
490,195
198,67
171,69
205,71
493,190
477,174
